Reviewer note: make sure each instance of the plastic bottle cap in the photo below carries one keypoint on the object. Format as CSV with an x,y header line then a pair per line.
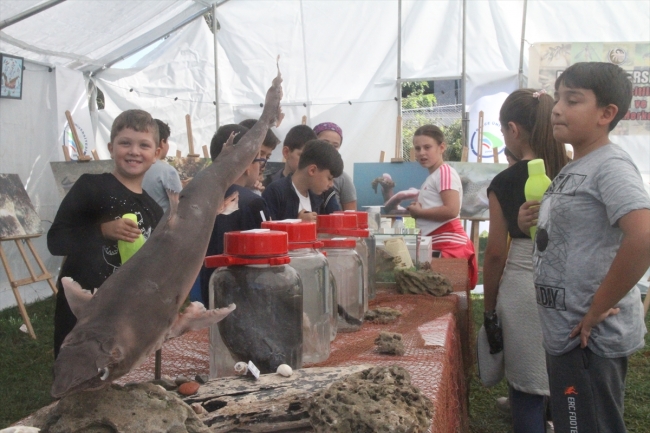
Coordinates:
x,y
337,221
255,243
536,166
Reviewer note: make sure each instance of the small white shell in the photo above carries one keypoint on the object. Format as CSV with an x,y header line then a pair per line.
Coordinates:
x,y
241,368
284,370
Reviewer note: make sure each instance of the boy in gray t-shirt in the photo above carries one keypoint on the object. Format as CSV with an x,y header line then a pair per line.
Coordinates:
x,y
592,246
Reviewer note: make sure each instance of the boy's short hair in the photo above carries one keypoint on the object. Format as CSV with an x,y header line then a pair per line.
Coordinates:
x,y
298,136
431,131
221,136
270,140
138,120
163,129
323,155
610,83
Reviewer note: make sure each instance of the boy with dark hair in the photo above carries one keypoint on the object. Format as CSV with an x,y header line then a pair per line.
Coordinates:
x,y
89,221
270,142
162,181
591,248
299,195
293,145
252,209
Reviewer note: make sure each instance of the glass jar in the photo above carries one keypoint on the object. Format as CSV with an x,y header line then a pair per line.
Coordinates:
x,y
266,326
313,268
344,224
347,268
371,246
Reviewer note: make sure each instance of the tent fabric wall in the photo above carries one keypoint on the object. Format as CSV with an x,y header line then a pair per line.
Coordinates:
x,y
28,142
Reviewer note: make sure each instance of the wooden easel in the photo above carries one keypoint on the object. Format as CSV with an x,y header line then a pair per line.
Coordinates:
x,y
33,278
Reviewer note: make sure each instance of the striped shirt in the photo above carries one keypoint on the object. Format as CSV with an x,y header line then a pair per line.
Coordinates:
x,y
444,178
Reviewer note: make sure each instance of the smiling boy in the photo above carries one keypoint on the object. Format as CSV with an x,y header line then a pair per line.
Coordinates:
x,y
89,221
592,246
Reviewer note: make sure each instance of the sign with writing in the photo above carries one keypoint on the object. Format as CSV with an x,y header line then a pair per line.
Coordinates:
x,y
549,60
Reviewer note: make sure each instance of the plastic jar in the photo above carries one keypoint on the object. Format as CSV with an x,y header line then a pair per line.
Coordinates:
x,y
317,296
343,224
362,223
347,268
266,326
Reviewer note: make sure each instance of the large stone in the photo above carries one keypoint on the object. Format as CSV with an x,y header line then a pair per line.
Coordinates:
x,y
379,400
425,281
141,407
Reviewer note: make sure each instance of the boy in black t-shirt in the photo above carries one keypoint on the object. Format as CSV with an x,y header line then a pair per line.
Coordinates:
x,y
89,221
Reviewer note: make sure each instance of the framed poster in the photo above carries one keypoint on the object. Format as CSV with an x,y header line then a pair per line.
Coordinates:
x,y
11,85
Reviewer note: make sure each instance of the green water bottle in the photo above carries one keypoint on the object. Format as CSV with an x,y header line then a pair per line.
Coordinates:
x,y
536,185
127,249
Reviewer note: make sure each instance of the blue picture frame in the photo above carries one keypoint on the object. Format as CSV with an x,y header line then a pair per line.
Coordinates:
x,y
11,79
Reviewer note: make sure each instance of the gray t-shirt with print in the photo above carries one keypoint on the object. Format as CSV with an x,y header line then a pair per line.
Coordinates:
x,y
577,239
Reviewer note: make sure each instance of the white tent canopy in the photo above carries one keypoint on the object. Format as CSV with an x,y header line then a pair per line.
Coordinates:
x,y
339,61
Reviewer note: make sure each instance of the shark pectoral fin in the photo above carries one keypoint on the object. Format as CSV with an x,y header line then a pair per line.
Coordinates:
x,y
196,317
77,296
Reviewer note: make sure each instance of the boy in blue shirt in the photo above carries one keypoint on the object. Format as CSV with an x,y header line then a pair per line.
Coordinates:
x,y
300,195
252,209
89,221
591,248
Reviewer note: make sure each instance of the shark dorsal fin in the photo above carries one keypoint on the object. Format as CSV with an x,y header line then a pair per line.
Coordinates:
x,y
77,297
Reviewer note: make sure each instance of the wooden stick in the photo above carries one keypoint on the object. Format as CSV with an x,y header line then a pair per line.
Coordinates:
x,y
479,141
382,155
178,153
206,152
465,154
495,152
75,138
304,120
95,155
398,142
66,153
190,140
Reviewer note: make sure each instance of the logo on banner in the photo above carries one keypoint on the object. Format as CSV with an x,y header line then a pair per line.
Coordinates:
x,y
492,138
617,56
69,141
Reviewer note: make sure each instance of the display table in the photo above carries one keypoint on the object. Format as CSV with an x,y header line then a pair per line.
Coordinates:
x,y
431,338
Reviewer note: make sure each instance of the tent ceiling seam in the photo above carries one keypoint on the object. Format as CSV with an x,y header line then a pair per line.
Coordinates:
x,y
19,44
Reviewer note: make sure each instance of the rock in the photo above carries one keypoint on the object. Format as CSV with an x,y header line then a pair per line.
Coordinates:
x,y
198,408
188,388
390,343
284,370
382,315
116,409
168,384
201,378
181,380
422,282
380,400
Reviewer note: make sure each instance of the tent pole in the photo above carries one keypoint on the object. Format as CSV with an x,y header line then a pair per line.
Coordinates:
x,y
465,121
521,50
216,70
399,72
304,55
29,12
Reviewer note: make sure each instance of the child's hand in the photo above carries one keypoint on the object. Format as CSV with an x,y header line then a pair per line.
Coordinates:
x,y
414,209
258,186
122,229
528,214
307,216
588,322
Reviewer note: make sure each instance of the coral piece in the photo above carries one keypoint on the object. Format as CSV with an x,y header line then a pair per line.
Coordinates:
x,y
390,343
382,315
422,282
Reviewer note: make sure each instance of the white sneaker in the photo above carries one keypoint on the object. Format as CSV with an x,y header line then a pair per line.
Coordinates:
x,y
503,404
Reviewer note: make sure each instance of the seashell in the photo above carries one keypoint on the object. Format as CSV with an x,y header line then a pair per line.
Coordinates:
x,y
284,370
188,388
241,368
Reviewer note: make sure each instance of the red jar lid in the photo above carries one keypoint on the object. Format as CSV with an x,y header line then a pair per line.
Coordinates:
x,y
301,234
252,247
339,243
343,224
362,217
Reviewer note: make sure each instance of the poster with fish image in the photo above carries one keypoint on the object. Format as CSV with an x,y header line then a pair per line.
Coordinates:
x,y
379,184
18,218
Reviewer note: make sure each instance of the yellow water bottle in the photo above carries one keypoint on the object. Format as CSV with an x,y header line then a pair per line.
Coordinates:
x,y
127,249
536,185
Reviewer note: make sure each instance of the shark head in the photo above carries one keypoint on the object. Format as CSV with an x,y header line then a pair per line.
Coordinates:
x,y
81,366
